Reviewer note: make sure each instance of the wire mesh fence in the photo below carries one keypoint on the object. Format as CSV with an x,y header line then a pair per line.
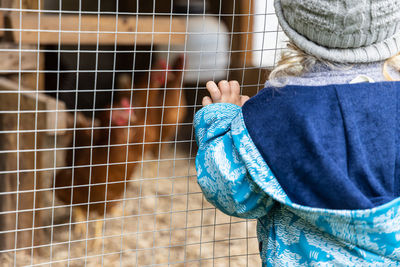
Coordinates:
x,y
96,138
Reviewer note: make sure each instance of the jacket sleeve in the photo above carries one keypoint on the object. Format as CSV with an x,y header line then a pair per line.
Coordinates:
x,y
221,172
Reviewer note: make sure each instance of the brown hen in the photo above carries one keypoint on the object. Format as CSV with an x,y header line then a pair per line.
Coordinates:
x,y
101,161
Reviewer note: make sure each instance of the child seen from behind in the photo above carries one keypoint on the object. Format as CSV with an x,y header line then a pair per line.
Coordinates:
x,y
314,156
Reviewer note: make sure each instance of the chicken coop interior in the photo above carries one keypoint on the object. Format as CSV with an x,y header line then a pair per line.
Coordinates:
x,y
97,147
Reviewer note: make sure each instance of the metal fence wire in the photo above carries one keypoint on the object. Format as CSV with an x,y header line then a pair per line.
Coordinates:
x,y
97,148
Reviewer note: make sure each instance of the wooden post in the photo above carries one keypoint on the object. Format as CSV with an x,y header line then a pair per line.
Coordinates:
x,y
26,4
246,25
21,167
20,164
253,78
93,31
8,3
14,60
1,23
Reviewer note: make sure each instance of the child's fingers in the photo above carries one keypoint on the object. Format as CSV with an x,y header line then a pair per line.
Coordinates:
x,y
206,101
224,86
243,99
214,91
235,87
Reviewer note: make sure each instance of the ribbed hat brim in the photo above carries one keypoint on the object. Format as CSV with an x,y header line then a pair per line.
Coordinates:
x,y
375,52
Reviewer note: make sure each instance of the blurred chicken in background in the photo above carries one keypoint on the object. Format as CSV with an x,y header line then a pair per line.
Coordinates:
x,y
160,103
101,160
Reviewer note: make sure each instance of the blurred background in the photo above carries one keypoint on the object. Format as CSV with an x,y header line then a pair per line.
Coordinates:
x,y
96,138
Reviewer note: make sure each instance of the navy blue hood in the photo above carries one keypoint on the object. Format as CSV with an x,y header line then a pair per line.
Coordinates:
x,y
334,146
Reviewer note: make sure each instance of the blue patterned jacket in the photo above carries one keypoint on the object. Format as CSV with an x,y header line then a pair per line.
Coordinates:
x,y
235,177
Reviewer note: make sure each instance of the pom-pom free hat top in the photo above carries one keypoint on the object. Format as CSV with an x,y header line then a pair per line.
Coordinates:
x,y
344,31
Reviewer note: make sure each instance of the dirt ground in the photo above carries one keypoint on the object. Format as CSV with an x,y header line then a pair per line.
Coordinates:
x,y
164,221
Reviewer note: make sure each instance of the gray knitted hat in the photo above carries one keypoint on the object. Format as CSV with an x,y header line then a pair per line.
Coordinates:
x,y
345,31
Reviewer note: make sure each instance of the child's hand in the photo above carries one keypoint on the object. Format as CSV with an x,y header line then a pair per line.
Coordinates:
x,y
225,92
